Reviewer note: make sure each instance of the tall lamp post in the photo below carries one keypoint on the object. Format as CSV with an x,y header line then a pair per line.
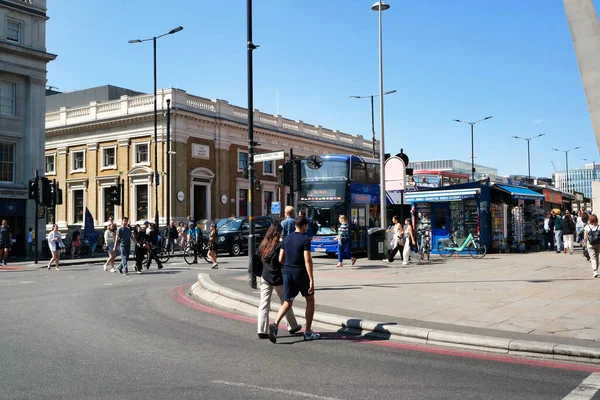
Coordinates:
x,y
380,6
372,113
156,176
528,153
567,162
594,173
472,144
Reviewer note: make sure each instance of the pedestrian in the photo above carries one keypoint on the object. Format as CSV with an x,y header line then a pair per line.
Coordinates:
x,y
92,240
152,246
272,279
397,242
123,239
110,235
5,240
213,240
579,227
568,230
181,233
549,231
287,225
30,238
55,243
310,232
171,237
76,244
297,278
343,242
558,222
142,249
409,241
591,239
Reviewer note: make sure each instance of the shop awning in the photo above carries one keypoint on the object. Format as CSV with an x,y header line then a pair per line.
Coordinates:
x,y
440,195
521,193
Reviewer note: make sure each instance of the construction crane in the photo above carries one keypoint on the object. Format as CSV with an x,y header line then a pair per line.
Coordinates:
x,y
553,165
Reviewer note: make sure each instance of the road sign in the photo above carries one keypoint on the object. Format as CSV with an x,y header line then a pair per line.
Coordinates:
x,y
275,207
276,155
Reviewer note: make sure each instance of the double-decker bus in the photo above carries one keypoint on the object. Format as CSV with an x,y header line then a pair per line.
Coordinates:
x,y
337,185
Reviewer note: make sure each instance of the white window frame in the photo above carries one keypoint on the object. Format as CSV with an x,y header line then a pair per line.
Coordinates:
x,y
72,190
14,161
72,157
238,160
102,158
19,33
102,187
14,98
53,172
135,149
134,192
274,164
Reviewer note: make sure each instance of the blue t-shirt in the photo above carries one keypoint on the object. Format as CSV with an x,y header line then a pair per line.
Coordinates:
x,y
294,246
288,226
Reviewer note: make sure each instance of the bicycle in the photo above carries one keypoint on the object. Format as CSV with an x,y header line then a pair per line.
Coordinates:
x,y
424,244
162,252
447,247
190,254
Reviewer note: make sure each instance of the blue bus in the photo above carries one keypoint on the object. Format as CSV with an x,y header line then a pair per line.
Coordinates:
x,y
340,185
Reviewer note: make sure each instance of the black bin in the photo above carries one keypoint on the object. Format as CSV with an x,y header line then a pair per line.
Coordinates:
x,y
45,249
376,244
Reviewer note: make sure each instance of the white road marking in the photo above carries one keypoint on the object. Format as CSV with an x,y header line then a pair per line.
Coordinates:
x,y
586,389
275,390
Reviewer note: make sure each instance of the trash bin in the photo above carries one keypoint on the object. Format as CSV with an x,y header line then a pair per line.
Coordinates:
x,y
45,249
376,244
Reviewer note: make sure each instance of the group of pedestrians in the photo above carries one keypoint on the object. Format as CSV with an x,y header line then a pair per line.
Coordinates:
x,y
563,230
403,240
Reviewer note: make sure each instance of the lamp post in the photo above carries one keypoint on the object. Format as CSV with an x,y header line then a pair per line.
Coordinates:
x,y
528,153
380,6
372,113
472,144
567,162
594,173
156,176
168,202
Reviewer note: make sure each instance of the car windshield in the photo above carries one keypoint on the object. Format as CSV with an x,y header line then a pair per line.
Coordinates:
x,y
222,222
325,230
232,225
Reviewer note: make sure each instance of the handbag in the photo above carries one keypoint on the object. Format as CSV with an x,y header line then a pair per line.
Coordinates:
x,y
256,267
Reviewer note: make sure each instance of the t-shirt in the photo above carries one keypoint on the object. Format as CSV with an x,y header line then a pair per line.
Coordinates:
x,y
294,246
4,235
288,226
558,223
124,234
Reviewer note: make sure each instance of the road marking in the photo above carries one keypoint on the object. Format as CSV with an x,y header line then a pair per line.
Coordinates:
x,y
275,390
586,389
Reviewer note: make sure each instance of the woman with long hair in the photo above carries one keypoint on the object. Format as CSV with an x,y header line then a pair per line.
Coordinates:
x,y
110,235
272,279
409,238
213,240
343,246
591,239
397,242
55,243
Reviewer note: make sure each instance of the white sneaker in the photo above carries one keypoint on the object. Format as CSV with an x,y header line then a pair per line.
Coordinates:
x,y
105,267
311,336
113,270
596,274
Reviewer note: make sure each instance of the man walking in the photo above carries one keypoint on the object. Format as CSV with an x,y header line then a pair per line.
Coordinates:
x,y
558,223
297,278
5,240
124,237
288,224
30,238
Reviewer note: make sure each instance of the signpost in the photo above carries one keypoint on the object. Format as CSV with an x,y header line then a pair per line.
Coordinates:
x,y
276,155
275,207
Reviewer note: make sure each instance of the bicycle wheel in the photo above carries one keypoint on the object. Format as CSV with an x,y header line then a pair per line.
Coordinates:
x,y
444,251
477,251
189,255
163,255
205,254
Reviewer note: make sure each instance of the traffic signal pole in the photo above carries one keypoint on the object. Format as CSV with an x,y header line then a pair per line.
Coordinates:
x,y
292,177
37,218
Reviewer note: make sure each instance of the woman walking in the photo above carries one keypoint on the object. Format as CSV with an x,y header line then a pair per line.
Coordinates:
x,y
181,231
591,239
343,246
272,279
397,242
213,240
55,243
109,244
409,238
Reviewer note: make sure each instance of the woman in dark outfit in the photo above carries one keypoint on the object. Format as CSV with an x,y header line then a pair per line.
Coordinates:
x,y
212,245
140,249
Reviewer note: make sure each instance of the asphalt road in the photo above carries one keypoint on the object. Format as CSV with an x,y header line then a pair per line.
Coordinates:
x,y
83,333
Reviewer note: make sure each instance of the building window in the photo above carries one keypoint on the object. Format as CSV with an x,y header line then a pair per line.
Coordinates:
x,y
8,98
7,162
109,208
242,160
142,153
78,206
268,168
268,199
13,31
109,157
78,161
141,198
51,164
243,202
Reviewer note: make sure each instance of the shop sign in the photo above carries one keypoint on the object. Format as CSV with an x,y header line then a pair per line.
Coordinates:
x,y
578,197
552,197
395,174
200,151
452,197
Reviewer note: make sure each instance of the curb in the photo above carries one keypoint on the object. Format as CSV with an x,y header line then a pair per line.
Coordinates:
x,y
209,291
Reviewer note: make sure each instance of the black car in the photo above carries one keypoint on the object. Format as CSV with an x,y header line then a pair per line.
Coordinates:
x,y
233,235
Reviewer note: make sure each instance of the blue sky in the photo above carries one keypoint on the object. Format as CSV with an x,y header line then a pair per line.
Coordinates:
x,y
460,59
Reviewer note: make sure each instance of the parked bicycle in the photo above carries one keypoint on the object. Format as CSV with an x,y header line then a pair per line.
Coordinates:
x,y
424,239
447,247
191,253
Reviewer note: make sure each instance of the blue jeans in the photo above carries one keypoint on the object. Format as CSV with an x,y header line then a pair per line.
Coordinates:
x,y
124,256
343,252
559,240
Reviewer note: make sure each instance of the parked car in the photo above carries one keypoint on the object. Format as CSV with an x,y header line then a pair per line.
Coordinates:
x,y
233,235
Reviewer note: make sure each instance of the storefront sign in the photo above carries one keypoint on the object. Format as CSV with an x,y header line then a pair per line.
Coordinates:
x,y
578,196
552,197
200,151
395,174
453,197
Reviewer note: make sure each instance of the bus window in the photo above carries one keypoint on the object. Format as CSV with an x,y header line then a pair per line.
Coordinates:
x,y
373,173
330,170
359,172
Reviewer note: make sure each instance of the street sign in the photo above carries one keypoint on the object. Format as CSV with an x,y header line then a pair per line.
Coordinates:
x,y
276,155
275,207
395,174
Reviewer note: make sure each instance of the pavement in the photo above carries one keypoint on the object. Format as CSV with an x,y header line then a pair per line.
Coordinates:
x,y
543,304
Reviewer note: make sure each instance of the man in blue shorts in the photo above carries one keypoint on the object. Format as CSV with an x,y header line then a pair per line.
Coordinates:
x,y
297,278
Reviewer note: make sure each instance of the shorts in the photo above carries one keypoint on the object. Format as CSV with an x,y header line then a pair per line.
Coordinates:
x,y
294,284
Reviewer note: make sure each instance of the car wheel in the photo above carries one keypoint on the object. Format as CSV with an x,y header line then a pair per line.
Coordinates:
x,y
235,250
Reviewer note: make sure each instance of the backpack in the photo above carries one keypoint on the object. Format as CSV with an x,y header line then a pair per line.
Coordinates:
x,y
594,236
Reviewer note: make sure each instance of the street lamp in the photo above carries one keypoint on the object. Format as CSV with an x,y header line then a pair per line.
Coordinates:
x,y
567,162
528,154
380,6
372,113
472,144
594,174
172,31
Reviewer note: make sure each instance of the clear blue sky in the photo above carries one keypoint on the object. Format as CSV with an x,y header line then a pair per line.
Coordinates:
x,y
460,59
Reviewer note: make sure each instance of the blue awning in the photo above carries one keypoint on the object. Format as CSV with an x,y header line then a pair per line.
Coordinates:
x,y
521,193
440,195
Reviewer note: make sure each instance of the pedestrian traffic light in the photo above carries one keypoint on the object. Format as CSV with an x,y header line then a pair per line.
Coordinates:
x,y
114,193
33,189
46,194
285,173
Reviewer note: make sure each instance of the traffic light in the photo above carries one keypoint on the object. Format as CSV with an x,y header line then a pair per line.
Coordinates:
x,y
46,192
33,189
285,173
290,174
114,193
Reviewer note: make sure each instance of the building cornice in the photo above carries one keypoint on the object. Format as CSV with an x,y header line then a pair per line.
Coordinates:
x,y
24,52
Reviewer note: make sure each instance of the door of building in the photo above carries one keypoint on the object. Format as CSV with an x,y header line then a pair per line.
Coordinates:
x,y
358,224
440,218
199,202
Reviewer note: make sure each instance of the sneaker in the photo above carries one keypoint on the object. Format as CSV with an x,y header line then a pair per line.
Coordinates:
x,y
273,332
596,274
311,336
113,270
215,266
263,335
120,270
126,274
295,330
4,262
105,267
353,260
139,272
385,260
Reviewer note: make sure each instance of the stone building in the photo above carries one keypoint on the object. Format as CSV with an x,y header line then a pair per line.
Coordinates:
x,y
95,146
23,60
